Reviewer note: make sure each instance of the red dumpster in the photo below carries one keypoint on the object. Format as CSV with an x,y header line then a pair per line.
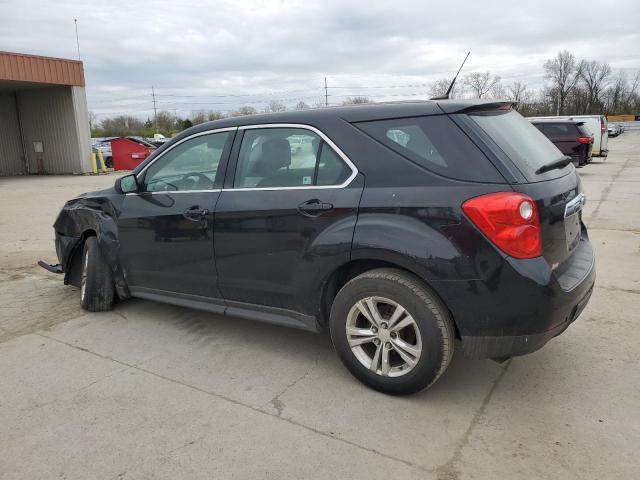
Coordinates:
x,y
129,152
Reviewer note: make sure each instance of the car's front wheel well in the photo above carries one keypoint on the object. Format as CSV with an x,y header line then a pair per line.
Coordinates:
x,y
74,264
351,270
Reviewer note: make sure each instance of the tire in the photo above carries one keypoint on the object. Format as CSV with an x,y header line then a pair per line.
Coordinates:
x,y
96,280
428,331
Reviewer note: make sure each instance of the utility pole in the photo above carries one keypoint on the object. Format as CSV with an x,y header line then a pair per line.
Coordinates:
x,y
155,110
77,41
326,93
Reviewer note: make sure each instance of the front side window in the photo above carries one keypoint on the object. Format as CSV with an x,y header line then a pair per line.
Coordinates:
x,y
287,157
191,165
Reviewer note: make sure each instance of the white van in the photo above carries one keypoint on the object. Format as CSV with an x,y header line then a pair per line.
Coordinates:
x,y
597,124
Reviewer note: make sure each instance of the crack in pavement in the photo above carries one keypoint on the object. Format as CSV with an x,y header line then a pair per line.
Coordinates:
x,y
247,406
448,471
607,190
279,404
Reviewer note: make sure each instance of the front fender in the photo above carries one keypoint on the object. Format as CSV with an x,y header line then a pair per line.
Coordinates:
x,y
87,216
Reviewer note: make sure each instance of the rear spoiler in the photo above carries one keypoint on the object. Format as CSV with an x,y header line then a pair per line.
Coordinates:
x,y
470,106
490,106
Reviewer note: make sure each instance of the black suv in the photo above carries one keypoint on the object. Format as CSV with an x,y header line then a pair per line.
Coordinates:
x,y
399,227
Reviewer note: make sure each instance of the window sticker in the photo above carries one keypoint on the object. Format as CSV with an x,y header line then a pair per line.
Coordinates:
x,y
306,180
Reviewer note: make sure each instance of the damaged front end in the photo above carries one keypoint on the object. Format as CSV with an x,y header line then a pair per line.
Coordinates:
x,y
92,214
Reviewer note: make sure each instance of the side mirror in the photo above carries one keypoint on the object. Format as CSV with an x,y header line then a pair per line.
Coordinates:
x,y
127,184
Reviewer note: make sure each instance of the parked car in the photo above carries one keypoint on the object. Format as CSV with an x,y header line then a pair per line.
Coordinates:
x,y
157,140
105,147
597,125
571,137
614,130
417,224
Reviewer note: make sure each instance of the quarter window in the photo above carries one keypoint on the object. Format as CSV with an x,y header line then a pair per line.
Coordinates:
x,y
287,157
191,165
436,143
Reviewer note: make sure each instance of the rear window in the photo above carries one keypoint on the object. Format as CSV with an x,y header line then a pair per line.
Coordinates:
x,y
527,147
558,129
435,143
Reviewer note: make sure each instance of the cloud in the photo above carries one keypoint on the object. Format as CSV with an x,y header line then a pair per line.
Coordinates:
x,y
192,51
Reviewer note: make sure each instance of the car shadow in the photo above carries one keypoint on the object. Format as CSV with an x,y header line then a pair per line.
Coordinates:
x,y
208,331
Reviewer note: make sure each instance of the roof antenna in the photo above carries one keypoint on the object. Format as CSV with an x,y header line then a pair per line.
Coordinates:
x,y
446,95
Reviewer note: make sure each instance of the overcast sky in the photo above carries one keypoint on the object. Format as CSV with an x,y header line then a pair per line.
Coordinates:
x,y
218,54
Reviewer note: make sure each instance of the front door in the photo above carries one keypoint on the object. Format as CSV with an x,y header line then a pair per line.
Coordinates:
x,y
285,218
166,229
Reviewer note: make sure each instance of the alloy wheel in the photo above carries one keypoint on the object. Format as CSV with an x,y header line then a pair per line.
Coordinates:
x,y
383,336
83,278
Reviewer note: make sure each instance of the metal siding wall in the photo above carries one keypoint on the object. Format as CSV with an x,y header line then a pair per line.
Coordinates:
x,y
48,115
82,126
10,142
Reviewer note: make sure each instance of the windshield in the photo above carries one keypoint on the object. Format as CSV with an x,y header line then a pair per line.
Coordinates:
x,y
527,147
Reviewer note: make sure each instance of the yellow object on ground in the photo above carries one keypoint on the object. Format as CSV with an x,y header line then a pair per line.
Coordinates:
x,y
94,166
103,166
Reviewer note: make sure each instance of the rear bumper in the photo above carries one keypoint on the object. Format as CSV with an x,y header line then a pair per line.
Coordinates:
x,y
511,346
523,305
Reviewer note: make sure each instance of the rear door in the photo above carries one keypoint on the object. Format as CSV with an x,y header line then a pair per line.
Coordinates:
x,y
285,217
558,193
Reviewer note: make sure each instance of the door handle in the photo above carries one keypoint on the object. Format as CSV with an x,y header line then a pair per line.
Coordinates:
x,y
195,213
314,207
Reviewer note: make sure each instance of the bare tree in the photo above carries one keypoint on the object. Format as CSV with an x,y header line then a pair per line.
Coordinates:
x,y
563,71
275,106
440,87
167,122
92,120
516,91
356,101
198,118
302,106
244,110
214,115
481,84
122,125
621,96
594,76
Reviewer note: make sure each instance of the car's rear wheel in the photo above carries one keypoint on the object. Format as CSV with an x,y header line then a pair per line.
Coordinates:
x,y
96,281
391,331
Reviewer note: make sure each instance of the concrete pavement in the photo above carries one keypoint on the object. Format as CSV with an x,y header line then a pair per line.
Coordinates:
x,y
154,391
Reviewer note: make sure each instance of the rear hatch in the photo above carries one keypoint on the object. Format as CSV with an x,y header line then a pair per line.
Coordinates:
x,y
557,192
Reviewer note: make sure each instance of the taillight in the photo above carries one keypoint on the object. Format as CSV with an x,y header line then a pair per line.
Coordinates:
x,y
603,128
509,220
585,140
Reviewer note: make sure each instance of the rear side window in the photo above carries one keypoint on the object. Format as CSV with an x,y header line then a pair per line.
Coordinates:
x,y
287,157
435,143
527,147
584,131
